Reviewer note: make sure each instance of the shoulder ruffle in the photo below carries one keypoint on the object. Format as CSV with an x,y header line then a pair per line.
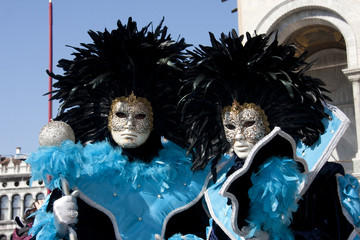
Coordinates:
x,y
64,161
274,196
171,163
71,161
349,189
185,237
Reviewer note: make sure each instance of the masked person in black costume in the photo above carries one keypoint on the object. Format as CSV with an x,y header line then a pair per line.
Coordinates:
x,y
263,125
128,168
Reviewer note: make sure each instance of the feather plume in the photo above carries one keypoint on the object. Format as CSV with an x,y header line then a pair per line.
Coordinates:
x,y
116,63
273,197
258,71
73,161
44,224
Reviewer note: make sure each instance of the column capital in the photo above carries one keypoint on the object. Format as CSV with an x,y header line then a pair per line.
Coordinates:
x,y
353,74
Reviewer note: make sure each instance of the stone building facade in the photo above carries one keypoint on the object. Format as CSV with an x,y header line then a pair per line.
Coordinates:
x,y
15,193
329,31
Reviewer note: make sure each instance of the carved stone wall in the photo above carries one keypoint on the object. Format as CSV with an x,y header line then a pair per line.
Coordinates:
x,y
15,191
327,29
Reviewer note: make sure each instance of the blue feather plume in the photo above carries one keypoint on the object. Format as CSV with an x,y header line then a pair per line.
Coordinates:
x,y
71,161
44,224
64,161
273,197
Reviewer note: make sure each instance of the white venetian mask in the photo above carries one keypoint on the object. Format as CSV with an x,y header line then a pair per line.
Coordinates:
x,y
244,126
130,121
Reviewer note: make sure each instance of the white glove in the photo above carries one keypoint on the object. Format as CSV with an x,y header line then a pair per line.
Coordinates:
x,y
65,211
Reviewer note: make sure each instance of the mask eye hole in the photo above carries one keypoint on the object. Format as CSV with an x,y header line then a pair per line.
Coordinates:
x,y
230,126
121,114
140,116
248,123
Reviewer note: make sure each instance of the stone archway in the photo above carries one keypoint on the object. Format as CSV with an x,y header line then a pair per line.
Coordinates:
x,y
293,15
320,27
328,65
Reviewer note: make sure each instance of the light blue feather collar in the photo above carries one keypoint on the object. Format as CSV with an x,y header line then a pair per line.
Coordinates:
x,y
72,160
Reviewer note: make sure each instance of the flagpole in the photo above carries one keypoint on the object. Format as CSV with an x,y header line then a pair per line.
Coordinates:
x,y
50,69
72,233
50,57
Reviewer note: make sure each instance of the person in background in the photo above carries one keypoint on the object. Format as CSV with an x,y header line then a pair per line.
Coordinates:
x,y
21,233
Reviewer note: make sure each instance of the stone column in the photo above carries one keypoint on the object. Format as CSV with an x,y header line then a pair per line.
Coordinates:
x,y
10,209
353,75
21,214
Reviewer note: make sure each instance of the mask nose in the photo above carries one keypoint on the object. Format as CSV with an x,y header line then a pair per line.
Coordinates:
x,y
130,123
239,136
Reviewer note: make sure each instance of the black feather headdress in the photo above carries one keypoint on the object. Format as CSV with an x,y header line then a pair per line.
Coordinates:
x,y
117,63
260,71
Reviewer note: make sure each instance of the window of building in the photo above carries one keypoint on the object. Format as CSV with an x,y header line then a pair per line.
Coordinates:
x,y
16,206
4,207
40,196
28,201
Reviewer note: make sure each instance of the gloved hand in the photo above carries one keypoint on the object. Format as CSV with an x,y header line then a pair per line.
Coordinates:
x,y
66,212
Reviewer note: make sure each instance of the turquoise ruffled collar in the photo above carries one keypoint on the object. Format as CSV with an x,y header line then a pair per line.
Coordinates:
x,y
72,160
171,163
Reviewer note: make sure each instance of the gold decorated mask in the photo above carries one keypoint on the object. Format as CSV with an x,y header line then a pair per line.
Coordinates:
x,y
248,120
130,120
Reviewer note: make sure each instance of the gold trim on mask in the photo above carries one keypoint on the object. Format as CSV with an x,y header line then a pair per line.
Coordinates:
x,y
237,108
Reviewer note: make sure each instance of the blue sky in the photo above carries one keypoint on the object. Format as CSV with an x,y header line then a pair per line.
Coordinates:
x,y
24,48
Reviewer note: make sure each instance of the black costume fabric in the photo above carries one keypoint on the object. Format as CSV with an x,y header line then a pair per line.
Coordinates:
x,y
319,215
92,225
